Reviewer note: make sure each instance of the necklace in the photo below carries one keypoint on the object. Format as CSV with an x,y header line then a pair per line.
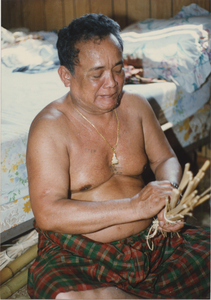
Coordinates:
x,y
114,158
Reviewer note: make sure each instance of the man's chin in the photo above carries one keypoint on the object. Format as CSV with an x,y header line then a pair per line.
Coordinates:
x,y
109,103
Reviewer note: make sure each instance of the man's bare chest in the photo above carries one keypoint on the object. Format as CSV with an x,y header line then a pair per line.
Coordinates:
x,y
91,158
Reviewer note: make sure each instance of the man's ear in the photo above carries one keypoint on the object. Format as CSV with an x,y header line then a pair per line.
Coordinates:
x,y
65,75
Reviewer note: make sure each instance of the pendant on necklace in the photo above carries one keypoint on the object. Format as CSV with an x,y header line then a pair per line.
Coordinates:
x,y
114,160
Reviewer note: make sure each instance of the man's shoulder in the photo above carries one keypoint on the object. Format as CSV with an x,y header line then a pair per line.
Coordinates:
x,y
50,121
134,100
47,118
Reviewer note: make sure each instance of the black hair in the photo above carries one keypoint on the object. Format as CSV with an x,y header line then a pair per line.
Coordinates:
x,y
87,27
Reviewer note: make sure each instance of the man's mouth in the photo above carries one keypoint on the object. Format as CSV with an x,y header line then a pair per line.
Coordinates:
x,y
108,95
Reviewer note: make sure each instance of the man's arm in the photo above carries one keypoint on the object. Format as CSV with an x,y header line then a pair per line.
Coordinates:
x,y
162,158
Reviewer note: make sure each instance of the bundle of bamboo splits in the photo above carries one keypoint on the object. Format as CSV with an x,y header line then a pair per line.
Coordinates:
x,y
183,200
15,261
15,250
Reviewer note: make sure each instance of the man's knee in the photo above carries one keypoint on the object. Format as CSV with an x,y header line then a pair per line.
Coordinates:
x,y
68,295
89,294
99,293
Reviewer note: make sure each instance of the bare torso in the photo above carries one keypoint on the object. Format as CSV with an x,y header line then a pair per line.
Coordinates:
x,y
93,178
73,186
91,175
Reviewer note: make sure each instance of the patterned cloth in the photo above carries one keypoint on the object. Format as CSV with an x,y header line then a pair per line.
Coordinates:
x,y
176,50
177,268
134,75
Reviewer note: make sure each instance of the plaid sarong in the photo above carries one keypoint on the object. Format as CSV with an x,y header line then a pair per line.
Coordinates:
x,y
177,268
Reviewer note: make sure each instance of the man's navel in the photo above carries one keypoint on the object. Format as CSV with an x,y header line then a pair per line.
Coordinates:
x,y
85,188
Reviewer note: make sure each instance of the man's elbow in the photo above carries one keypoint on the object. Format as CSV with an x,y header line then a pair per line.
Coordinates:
x,y
45,221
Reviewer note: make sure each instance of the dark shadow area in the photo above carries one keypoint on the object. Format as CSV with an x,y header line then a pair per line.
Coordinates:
x,y
157,110
181,153
184,156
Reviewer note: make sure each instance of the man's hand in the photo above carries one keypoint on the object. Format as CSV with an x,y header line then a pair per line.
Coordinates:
x,y
151,200
168,227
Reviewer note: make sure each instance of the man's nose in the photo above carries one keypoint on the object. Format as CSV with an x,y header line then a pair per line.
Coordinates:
x,y
110,81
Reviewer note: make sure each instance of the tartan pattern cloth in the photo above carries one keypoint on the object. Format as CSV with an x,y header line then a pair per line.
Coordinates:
x,y
177,268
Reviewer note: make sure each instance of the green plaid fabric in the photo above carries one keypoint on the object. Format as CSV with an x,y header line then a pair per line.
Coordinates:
x,y
177,268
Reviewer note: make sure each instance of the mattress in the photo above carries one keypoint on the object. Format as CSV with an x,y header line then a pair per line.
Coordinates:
x,y
23,96
170,102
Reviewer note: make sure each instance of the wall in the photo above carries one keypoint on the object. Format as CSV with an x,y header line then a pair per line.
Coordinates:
x,y
55,14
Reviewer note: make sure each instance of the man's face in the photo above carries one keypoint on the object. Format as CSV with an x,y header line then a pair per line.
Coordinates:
x,y
97,83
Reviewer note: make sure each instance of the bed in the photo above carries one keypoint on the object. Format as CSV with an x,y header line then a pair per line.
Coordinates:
x,y
29,82
175,82
177,50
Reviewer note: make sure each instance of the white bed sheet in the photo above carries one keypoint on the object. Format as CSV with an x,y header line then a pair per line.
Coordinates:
x,y
23,96
175,103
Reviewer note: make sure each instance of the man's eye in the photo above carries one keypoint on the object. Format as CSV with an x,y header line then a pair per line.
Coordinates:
x,y
96,76
119,70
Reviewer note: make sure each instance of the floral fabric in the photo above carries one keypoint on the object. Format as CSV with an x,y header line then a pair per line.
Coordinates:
x,y
14,174
15,213
23,96
195,127
175,105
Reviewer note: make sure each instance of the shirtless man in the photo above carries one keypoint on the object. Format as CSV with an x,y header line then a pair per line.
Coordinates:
x,y
74,187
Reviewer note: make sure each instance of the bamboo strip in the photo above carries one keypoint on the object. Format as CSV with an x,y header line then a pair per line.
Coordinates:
x,y
205,165
184,181
14,284
201,176
203,168
196,181
188,208
180,217
203,199
176,218
205,192
171,217
183,212
15,266
188,191
190,197
193,203
174,198
191,207
194,200
177,209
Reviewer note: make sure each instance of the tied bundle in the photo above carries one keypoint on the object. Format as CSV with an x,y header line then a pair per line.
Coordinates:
x,y
15,250
178,208
183,200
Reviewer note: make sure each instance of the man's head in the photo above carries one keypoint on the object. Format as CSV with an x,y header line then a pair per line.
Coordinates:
x,y
86,28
